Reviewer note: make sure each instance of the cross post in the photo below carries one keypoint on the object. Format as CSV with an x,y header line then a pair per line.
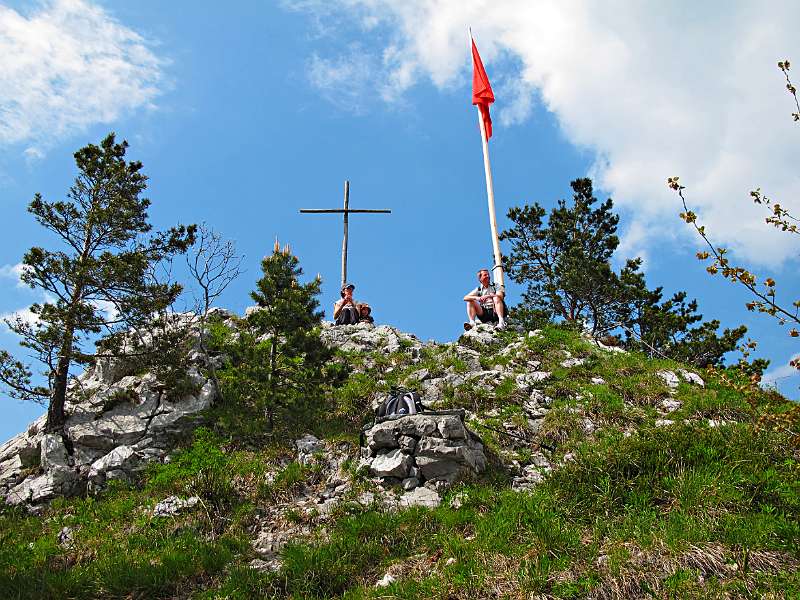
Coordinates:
x,y
345,212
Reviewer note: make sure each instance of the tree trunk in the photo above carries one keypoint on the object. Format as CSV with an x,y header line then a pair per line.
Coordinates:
x,y
55,411
212,371
273,353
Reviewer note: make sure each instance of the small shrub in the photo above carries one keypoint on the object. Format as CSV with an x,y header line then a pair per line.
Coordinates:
x,y
213,486
205,454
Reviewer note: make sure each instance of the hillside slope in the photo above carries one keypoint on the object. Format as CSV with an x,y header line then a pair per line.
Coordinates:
x,y
608,475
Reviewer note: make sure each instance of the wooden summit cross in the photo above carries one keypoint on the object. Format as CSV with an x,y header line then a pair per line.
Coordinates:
x,y
346,212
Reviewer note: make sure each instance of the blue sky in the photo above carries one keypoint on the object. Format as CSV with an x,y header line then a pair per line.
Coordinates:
x,y
244,114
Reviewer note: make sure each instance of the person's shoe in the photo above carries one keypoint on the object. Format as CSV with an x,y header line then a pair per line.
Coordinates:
x,y
501,325
468,326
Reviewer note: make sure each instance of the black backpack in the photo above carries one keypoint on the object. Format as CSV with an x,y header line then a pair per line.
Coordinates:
x,y
399,402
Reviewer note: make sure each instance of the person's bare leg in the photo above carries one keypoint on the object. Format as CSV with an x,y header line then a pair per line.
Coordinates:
x,y
500,309
473,310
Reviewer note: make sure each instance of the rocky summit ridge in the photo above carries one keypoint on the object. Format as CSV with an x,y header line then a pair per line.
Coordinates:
x,y
119,422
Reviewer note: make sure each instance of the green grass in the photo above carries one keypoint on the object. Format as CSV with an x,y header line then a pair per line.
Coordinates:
x,y
118,551
670,496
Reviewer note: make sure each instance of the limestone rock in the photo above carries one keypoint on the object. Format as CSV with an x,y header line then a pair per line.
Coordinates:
x,y
690,377
444,450
439,468
366,337
172,505
588,426
387,433
307,446
116,423
447,450
65,538
471,358
35,489
407,444
432,389
480,336
385,581
422,375
458,500
54,453
611,346
391,464
421,496
670,405
530,476
409,483
451,427
485,380
534,411
119,463
573,362
669,378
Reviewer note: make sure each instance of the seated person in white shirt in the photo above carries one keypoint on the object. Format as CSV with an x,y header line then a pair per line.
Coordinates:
x,y
485,303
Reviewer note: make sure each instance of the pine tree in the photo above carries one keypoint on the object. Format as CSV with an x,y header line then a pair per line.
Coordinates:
x,y
565,263
673,327
98,278
279,360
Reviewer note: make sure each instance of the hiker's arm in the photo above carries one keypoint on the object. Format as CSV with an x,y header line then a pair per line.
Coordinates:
x,y
473,295
337,308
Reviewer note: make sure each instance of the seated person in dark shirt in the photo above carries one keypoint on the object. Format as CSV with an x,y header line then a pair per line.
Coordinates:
x,y
345,311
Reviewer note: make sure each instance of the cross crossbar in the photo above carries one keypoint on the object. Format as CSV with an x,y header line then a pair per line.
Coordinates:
x,y
346,212
341,210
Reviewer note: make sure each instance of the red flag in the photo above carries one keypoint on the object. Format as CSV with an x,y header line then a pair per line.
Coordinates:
x,y
482,94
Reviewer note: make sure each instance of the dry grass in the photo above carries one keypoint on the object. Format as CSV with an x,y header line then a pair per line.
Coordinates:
x,y
644,572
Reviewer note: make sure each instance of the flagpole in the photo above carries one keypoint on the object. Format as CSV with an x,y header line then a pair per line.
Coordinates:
x,y
497,269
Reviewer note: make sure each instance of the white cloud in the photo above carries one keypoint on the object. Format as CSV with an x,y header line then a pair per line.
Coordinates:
x,y
776,375
519,106
13,272
24,314
654,89
341,80
33,154
67,65
108,309
635,243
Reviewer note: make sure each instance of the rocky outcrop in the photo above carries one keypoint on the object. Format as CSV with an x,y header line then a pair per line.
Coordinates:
x,y
119,420
367,337
481,336
117,423
429,449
